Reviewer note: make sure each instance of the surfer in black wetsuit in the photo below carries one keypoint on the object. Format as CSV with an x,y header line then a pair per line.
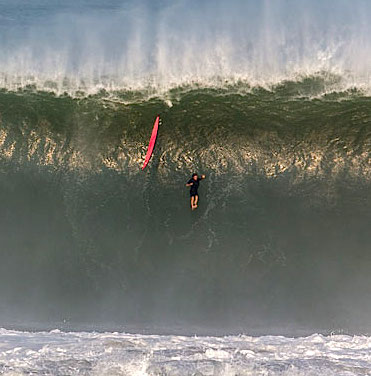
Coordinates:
x,y
194,182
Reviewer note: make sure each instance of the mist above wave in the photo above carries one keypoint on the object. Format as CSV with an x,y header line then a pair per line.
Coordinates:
x,y
137,45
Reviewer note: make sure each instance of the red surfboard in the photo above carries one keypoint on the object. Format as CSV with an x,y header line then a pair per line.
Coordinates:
x,y
152,142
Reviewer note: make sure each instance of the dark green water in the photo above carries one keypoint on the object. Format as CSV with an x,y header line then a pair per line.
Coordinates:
x,y
281,238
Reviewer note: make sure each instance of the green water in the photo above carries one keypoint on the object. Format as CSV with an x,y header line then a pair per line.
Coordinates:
x,y
280,239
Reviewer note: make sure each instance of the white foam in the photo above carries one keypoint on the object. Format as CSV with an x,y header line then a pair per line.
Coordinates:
x,y
81,353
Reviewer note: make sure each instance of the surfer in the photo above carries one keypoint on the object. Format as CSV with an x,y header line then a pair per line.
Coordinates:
x,y
194,182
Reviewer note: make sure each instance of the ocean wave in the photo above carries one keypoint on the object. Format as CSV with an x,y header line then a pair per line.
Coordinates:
x,y
236,128
283,212
60,353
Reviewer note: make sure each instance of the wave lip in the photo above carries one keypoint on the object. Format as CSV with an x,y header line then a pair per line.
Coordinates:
x,y
313,84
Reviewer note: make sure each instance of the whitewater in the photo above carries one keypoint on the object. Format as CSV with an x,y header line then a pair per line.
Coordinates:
x,y
90,353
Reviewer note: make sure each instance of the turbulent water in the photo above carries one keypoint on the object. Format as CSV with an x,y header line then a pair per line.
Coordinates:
x,y
56,353
277,114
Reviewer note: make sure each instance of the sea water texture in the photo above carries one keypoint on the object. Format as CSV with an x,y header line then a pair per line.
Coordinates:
x,y
271,100
55,353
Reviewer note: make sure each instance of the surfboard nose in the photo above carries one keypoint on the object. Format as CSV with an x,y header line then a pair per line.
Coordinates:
x,y
152,142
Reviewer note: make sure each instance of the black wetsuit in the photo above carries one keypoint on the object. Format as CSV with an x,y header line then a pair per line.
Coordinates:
x,y
194,186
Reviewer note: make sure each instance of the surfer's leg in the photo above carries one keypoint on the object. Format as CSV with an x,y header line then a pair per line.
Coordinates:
x,y
196,201
192,202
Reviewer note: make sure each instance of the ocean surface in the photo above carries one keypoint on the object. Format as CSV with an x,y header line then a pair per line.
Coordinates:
x,y
56,353
271,274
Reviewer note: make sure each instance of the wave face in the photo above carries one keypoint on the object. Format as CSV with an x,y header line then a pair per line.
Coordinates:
x,y
280,240
81,45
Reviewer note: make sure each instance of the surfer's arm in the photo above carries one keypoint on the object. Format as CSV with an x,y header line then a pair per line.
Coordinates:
x,y
189,183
